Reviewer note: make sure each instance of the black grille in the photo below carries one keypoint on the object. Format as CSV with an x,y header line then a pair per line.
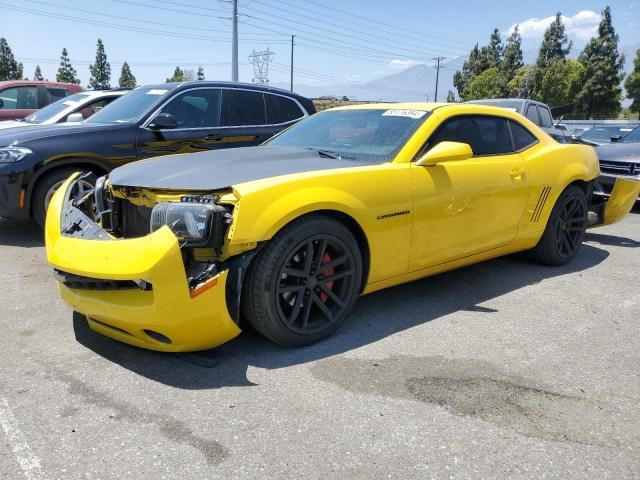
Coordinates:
x,y
79,282
620,168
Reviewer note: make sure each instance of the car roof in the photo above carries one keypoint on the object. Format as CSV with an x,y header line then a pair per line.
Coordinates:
x,y
103,93
222,84
7,83
463,108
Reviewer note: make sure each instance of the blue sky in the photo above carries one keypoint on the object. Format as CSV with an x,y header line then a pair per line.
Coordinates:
x,y
338,41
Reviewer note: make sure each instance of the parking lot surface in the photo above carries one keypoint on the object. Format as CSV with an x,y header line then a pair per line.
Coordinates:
x,y
505,369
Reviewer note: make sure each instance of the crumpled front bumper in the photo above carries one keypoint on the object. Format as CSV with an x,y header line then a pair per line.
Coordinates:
x,y
613,207
136,316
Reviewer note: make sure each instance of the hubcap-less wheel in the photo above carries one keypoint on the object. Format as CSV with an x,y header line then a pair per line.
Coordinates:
x,y
570,227
316,283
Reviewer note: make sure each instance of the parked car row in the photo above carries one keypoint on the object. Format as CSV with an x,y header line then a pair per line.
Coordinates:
x,y
146,122
19,98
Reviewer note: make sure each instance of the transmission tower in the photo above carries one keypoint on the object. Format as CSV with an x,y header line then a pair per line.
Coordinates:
x,y
260,62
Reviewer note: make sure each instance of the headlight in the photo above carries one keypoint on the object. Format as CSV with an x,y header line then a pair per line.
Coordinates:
x,y
13,154
191,222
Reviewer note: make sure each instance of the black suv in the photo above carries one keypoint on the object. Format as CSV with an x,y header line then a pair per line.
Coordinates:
x,y
147,122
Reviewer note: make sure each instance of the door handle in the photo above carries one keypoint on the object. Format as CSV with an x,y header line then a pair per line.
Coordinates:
x,y
213,138
517,174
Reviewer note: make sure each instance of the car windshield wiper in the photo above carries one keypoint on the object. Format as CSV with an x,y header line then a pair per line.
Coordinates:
x,y
330,154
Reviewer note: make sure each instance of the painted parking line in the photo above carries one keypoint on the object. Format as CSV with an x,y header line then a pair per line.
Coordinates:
x,y
28,461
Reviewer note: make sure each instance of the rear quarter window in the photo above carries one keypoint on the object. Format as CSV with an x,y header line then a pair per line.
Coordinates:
x,y
281,109
522,138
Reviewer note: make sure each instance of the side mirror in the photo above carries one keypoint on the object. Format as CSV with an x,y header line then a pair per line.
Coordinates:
x,y
616,138
163,121
445,152
75,118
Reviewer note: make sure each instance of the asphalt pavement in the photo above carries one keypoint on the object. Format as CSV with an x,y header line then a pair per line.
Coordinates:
x,y
505,369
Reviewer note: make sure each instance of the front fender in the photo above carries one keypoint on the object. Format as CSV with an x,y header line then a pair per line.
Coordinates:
x,y
260,224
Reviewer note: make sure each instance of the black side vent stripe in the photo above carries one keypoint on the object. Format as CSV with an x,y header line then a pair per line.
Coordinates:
x,y
541,201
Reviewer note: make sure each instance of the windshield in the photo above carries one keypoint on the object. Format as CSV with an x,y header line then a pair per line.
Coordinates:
x,y
55,108
633,136
129,107
374,135
604,134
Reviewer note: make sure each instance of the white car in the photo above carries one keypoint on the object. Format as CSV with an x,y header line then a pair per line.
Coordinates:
x,y
72,109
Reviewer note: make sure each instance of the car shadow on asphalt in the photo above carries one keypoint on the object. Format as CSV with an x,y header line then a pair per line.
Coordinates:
x,y
20,233
375,317
611,240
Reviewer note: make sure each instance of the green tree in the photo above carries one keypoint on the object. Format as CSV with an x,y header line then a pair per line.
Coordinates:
x,y
491,55
512,58
127,80
451,97
37,75
521,85
485,85
561,82
66,73
10,69
601,92
632,84
178,76
200,73
555,46
100,70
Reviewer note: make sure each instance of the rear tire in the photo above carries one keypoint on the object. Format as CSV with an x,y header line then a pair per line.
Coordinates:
x,y
565,230
47,186
303,284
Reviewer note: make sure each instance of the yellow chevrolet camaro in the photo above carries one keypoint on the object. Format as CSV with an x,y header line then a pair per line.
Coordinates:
x,y
172,253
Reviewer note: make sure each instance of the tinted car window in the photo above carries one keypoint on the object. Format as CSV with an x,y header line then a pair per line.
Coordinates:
x,y
243,107
522,138
545,117
281,109
532,114
131,106
19,98
604,133
633,136
55,94
196,108
485,135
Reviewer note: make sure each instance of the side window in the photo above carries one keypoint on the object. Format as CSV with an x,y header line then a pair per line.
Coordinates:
x,y
55,94
485,135
545,117
532,114
196,108
19,98
281,109
243,108
522,138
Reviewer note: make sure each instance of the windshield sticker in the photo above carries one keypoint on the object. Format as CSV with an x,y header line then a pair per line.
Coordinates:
x,y
626,129
404,113
157,91
511,109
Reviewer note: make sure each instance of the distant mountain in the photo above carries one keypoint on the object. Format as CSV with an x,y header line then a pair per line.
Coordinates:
x,y
416,83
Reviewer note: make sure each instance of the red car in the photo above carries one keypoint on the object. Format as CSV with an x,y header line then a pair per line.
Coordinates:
x,y
19,98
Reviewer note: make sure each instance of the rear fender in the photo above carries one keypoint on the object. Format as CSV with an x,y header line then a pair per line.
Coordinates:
x,y
614,208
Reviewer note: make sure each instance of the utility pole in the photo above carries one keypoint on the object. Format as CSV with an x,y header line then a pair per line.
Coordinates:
x,y
292,44
234,44
437,59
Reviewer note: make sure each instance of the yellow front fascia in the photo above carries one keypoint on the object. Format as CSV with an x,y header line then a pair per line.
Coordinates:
x,y
622,199
191,323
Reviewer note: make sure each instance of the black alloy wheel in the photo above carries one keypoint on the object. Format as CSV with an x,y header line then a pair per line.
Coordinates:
x,y
302,285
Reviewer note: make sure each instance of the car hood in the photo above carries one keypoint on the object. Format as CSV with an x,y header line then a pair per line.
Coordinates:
x,y
223,168
623,152
13,124
22,136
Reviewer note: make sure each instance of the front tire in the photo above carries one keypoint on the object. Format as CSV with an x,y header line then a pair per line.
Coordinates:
x,y
303,284
565,230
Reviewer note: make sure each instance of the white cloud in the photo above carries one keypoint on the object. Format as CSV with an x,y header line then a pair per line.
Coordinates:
x,y
402,64
582,25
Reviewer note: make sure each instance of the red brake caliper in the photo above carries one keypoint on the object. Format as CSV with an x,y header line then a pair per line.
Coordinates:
x,y
326,259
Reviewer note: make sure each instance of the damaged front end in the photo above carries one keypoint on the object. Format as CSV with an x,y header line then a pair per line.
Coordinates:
x,y
608,208
149,268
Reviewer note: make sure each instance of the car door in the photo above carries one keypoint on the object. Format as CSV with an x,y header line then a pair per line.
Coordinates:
x,y
244,118
465,207
197,115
